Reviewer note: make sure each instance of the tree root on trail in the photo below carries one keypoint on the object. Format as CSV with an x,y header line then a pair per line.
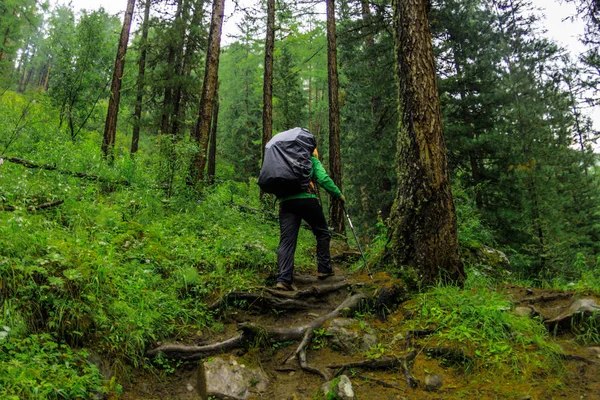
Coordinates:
x,y
314,291
263,301
573,357
384,363
544,298
191,353
379,382
451,356
310,279
252,332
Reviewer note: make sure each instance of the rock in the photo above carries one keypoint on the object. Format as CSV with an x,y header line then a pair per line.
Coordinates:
x,y
433,382
529,292
487,261
578,310
337,247
523,311
346,335
228,378
342,389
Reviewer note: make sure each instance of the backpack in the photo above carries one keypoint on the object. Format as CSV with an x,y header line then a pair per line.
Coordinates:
x,y
286,164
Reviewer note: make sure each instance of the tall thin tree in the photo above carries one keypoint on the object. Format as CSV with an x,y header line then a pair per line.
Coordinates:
x,y
137,116
267,128
110,128
211,168
423,228
336,211
202,132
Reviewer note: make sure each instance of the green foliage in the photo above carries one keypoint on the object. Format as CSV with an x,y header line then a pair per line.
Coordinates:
x,y
38,367
479,322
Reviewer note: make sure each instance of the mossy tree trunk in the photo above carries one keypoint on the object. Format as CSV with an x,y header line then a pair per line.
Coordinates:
x,y
423,229
336,212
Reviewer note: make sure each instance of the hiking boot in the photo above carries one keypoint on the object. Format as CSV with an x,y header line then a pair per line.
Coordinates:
x,y
325,275
288,287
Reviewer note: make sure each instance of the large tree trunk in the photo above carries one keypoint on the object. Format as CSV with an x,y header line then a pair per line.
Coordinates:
x,y
202,131
336,211
212,152
423,231
137,116
110,128
267,128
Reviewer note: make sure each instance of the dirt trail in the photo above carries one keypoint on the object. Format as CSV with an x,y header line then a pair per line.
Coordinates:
x,y
580,377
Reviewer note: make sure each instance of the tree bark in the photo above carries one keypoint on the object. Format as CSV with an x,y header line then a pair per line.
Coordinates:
x,y
137,116
423,229
336,212
201,133
212,153
267,128
110,128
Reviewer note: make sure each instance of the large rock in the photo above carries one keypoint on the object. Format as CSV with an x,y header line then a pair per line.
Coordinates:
x,y
350,336
228,378
342,389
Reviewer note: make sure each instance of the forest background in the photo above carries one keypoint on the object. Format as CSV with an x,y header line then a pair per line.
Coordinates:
x,y
122,251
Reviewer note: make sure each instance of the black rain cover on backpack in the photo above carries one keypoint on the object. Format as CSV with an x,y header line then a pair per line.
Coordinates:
x,y
286,166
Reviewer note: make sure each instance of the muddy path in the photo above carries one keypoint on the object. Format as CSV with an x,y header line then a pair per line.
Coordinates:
x,y
578,378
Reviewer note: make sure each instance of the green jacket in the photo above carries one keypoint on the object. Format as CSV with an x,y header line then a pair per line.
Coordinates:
x,y
318,175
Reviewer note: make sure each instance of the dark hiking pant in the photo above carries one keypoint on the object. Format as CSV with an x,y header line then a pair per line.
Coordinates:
x,y
291,214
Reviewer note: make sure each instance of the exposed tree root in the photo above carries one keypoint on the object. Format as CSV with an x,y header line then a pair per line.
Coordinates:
x,y
310,279
384,363
380,383
573,357
544,298
263,301
190,353
314,291
251,332
451,356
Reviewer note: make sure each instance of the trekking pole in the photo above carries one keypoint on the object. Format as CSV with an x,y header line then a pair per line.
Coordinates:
x,y
357,242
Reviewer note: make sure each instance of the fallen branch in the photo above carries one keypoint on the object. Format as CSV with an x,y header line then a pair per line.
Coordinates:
x,y
42,206
48,167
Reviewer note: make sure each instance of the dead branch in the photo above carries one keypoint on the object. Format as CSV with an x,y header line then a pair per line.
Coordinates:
x,y
262,301
573,357
48,167
42,206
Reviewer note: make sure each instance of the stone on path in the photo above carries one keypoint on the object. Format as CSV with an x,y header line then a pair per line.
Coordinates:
x,y
343,390
433,382
579,309
228,378
349,336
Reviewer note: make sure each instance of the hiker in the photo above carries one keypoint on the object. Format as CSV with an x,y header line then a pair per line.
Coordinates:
x,y
304,206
